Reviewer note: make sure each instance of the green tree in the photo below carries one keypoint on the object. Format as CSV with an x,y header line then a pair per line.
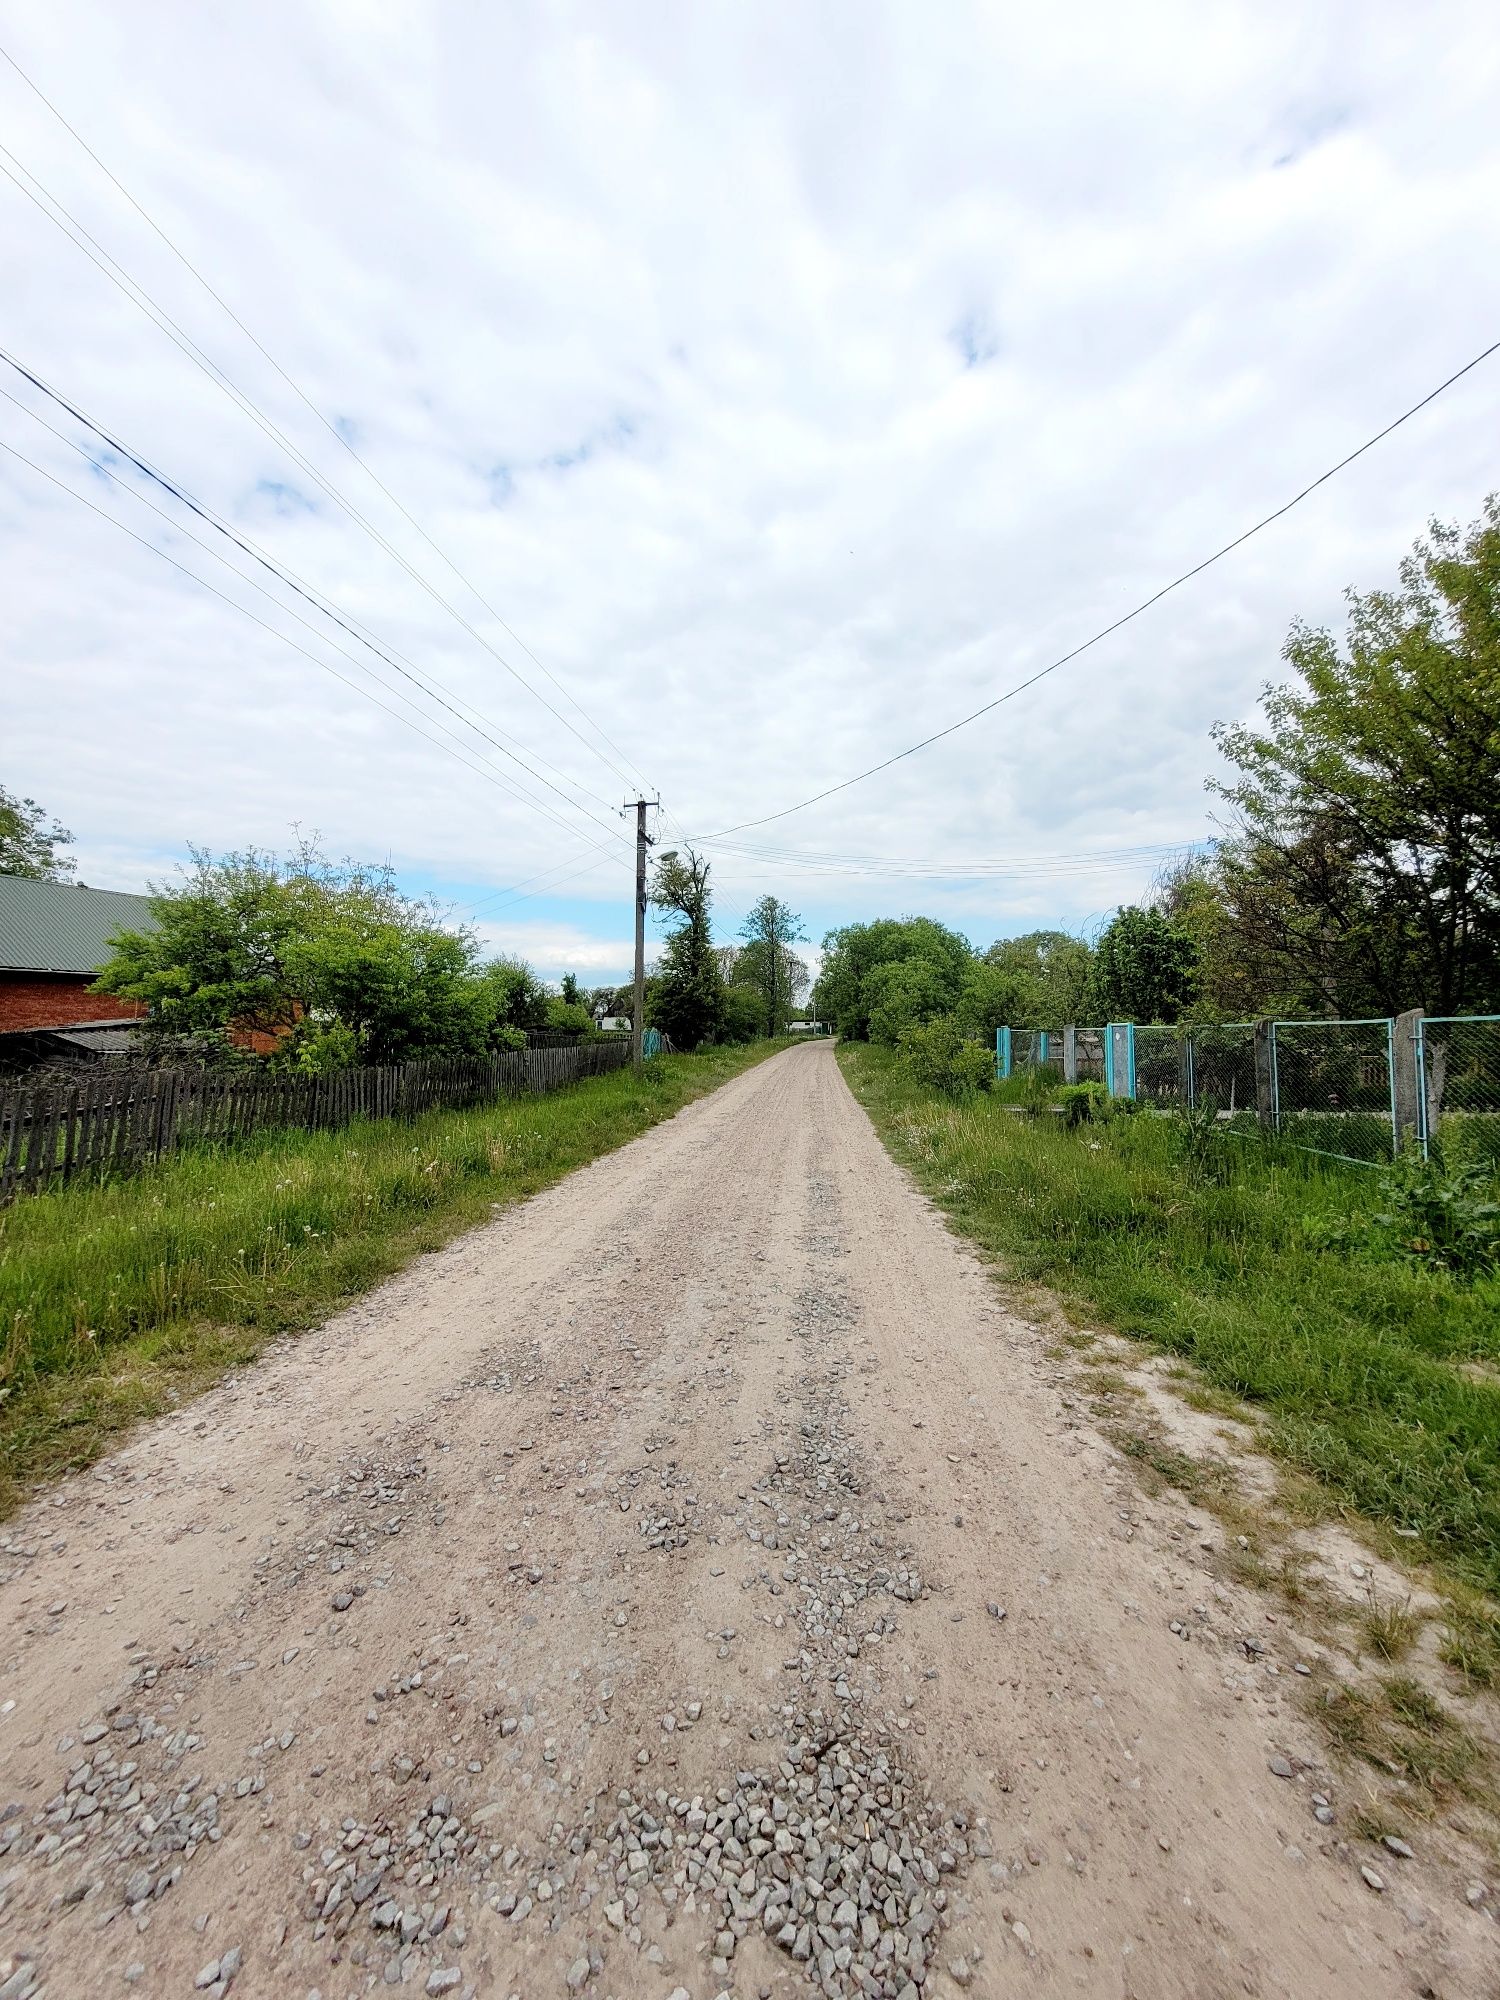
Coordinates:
x,y
569,1017
29,841
744,1019
993,996
768,962
1364,872
513,999
843,996
1054,970
903,995
1145,967
333,960
687,998
570,993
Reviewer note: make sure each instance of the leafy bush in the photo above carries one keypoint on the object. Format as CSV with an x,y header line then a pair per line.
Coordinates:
x,y
939,1054
906,995
744,1014
1084,1104
569,1017
1442,1215
1434,1215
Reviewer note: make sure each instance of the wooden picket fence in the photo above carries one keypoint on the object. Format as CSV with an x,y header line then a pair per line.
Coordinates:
x,y
113,1121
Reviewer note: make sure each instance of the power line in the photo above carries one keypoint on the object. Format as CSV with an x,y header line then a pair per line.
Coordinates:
x,y
430,686
214,591
504,896
323,419
1145,605
1086,861
138,296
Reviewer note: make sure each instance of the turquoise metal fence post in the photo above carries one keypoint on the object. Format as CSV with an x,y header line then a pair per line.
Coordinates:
x,y
1002,1052
1042,1040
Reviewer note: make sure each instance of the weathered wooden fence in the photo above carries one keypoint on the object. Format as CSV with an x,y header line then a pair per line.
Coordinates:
x,y
112,1121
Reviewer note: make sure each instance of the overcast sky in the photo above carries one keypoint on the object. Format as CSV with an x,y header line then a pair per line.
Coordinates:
x,y
790,380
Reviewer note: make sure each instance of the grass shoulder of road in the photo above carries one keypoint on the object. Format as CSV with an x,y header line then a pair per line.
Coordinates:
x,y
1377,1378
117,1299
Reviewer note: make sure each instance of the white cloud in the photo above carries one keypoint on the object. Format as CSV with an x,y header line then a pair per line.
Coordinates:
x,y
791,382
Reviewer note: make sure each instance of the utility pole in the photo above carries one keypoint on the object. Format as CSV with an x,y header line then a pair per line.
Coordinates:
x,y
638,1011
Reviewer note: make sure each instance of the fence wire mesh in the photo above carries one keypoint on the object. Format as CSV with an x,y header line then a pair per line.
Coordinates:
x,y
1199,1064
1357,1090
1163,1066
1034,1048
1332,1087
1089,1051
1458,1085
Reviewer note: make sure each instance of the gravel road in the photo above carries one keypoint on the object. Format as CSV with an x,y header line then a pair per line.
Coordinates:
x,y
693,1582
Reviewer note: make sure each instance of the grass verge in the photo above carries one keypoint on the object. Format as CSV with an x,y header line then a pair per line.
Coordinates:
x,y
119,1298
1356,1365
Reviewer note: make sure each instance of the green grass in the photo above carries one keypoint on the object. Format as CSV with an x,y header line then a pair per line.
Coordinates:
x,y
118,1298
1352,1362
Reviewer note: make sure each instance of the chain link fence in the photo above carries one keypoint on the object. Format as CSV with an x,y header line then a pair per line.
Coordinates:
x,y
1333,1087
1458,1085
1019,1050
1196,1065
1355,1090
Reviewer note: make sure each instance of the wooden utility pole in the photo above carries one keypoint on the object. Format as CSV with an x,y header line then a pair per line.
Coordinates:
x,y
638,1010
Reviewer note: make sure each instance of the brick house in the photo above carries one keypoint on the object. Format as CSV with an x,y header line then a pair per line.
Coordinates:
x,y
54,936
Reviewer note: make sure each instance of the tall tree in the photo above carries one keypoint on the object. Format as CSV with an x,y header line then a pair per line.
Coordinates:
x,y
1145,967
687,1002
29,841
1364,874
770,931
846,990
1052,970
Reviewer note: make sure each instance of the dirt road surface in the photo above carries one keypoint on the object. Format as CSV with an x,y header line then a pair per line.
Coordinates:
x,y
608,1605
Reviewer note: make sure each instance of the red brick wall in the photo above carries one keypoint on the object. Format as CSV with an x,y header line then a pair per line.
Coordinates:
x,y
56,1000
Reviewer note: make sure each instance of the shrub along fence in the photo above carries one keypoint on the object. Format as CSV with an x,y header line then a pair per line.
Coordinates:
x,y
1358,1090
118,1119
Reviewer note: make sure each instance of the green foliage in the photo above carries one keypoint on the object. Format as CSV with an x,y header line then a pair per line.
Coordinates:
x,y
1146,968
396,986
1053,973
333,960
1352,1361
940,1055
1366,874
29,841
744,1014
1084,1104
571,1018
843,996
901,995
992,996
687,998
571,993
318,1047
1198,1141
513,1000
1435,1215
769,965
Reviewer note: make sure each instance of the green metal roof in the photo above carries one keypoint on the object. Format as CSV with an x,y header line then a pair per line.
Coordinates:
x,y
62,927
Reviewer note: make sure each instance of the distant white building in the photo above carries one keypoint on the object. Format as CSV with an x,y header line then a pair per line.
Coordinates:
x,y
614,1024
